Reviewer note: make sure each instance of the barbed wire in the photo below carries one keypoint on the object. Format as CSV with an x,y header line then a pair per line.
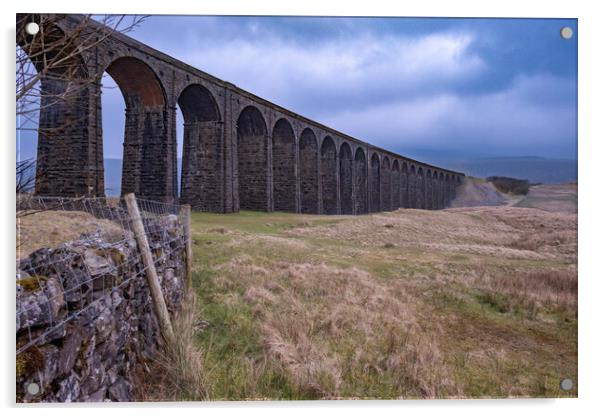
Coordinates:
x,y
56,285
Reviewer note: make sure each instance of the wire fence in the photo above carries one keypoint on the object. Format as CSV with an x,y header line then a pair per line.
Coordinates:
x,y
56,285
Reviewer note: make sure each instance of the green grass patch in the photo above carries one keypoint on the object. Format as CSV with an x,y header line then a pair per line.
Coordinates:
x,y
527,363
259,222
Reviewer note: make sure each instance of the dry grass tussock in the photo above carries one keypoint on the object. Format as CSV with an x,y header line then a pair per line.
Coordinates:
x,y
505,232
328,326
409,227
51,228
465,302
554,289
176,373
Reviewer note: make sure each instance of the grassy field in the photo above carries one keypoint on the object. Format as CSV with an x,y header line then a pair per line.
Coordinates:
x,y
554,198
466,302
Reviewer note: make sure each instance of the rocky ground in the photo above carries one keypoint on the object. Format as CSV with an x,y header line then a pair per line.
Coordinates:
x,y
475,192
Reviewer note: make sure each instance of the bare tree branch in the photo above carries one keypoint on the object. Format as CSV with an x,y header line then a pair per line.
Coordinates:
x,y
26,175
58,53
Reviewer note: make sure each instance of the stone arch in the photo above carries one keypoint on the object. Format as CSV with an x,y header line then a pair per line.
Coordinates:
x,y
252,151
308,171
420,188
201,162
412,203
395,185
385,184
149,150
198,104
360,193
328,167
137,81
374,183
284,167
346,178
404,187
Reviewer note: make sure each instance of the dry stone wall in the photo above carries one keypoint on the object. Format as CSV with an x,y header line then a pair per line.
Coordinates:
x,y
87,306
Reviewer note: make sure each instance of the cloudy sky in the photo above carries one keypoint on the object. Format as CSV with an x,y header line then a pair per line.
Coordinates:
x,y
475,87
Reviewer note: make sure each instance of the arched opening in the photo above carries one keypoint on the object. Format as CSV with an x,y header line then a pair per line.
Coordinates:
x,y
27,122
420,189
149,157
283,167
360,191
385,184
395,186
308,171
412,203
374,183
346,178
200,184
252,151
328,166
405,191
113,132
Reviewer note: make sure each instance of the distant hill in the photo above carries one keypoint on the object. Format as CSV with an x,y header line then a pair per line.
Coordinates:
x,y
533,168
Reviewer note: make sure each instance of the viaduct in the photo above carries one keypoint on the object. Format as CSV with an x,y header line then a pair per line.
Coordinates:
x,y
240,151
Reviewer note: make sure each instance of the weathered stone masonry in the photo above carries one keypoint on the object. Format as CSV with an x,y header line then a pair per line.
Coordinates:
x,y
240,151
96,355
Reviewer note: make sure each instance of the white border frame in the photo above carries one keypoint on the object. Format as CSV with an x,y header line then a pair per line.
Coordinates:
x,y
590,137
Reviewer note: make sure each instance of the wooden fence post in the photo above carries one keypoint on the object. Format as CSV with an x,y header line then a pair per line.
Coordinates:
x,y
151,272
188,236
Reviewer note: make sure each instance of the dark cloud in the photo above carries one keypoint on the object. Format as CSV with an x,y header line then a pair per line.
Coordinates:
x,y
505,86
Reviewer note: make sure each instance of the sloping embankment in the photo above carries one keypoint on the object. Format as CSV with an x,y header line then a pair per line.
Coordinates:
x,y
476,192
